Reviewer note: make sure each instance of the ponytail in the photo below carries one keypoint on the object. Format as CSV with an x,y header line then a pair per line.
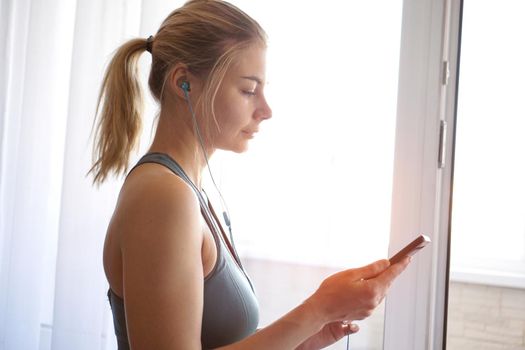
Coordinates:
x,y
205,35
120,103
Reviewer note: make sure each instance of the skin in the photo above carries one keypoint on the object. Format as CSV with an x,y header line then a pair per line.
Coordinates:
x,y
157,236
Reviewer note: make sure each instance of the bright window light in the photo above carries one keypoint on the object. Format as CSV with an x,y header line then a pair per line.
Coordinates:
x,y
488,220
316,185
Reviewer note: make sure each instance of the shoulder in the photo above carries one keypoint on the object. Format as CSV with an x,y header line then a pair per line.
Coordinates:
x,y
154,201
158,216
155,182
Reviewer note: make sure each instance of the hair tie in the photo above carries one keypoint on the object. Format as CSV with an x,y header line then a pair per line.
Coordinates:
x,y
149,43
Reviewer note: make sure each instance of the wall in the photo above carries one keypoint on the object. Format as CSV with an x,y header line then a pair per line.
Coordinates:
x,y
485,317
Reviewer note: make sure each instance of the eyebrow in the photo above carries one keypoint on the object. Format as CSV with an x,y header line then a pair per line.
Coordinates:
x,y
254,78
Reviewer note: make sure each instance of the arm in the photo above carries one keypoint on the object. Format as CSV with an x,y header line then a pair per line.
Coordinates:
x,y
163,280
162,267
347,295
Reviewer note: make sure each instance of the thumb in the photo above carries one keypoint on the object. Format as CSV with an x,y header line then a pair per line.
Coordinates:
x,y
349,328
371,270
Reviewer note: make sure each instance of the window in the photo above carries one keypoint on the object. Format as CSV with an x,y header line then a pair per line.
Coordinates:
x,y
488,226
315,189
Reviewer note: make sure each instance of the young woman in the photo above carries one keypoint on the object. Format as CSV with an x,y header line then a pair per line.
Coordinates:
x,y
175,279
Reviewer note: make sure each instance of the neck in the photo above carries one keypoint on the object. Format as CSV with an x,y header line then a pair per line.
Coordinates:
x,y
175,136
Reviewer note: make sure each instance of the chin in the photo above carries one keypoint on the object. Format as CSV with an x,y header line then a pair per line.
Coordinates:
x,y
235,145
240,147
235,149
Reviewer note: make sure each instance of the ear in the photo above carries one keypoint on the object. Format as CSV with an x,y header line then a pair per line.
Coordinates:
x,y
179,74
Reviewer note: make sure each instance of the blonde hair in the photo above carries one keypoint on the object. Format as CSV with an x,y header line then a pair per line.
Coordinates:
x,y
205,35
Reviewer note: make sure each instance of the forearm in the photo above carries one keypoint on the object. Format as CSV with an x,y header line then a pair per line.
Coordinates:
x,y
286,333
347,295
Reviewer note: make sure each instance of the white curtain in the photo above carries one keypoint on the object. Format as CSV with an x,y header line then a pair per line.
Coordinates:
x,y
52,220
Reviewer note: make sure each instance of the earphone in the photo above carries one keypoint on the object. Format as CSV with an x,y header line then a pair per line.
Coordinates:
x,y
185,86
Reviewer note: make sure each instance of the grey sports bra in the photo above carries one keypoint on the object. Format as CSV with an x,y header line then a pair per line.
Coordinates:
x,y
231,311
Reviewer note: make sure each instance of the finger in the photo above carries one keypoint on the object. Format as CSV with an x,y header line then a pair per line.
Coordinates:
x,y
372,270
390,274
334,331
350,328
337,330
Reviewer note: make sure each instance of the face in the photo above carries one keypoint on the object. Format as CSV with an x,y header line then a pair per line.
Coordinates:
x,y
240,104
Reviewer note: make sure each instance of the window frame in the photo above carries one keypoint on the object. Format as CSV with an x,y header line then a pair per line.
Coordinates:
x,y
416,307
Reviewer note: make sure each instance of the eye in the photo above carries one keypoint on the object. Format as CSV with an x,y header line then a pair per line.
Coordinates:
x,y
248,93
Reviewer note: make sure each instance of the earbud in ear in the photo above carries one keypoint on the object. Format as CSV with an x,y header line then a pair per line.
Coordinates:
x,y
185,86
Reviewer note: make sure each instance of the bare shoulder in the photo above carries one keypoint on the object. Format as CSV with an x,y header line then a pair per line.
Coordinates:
x,y
153,199
158,216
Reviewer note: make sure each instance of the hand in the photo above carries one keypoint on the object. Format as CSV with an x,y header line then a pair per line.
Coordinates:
x,y
328,335
353,294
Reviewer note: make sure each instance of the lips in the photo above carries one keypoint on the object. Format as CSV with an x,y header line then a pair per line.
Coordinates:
x,y
250,134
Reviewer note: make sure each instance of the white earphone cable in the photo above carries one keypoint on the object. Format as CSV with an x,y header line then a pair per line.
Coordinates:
x,y
225,212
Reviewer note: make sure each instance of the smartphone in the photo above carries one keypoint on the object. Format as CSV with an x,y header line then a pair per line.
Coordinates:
x,y
412,248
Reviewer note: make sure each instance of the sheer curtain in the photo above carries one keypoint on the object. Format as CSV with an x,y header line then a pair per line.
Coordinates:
x,y
52,220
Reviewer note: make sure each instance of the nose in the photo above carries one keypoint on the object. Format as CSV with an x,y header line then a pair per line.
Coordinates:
x,y
264,111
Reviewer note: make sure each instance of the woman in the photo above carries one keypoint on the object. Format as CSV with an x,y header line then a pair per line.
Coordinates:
x,y
175,280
